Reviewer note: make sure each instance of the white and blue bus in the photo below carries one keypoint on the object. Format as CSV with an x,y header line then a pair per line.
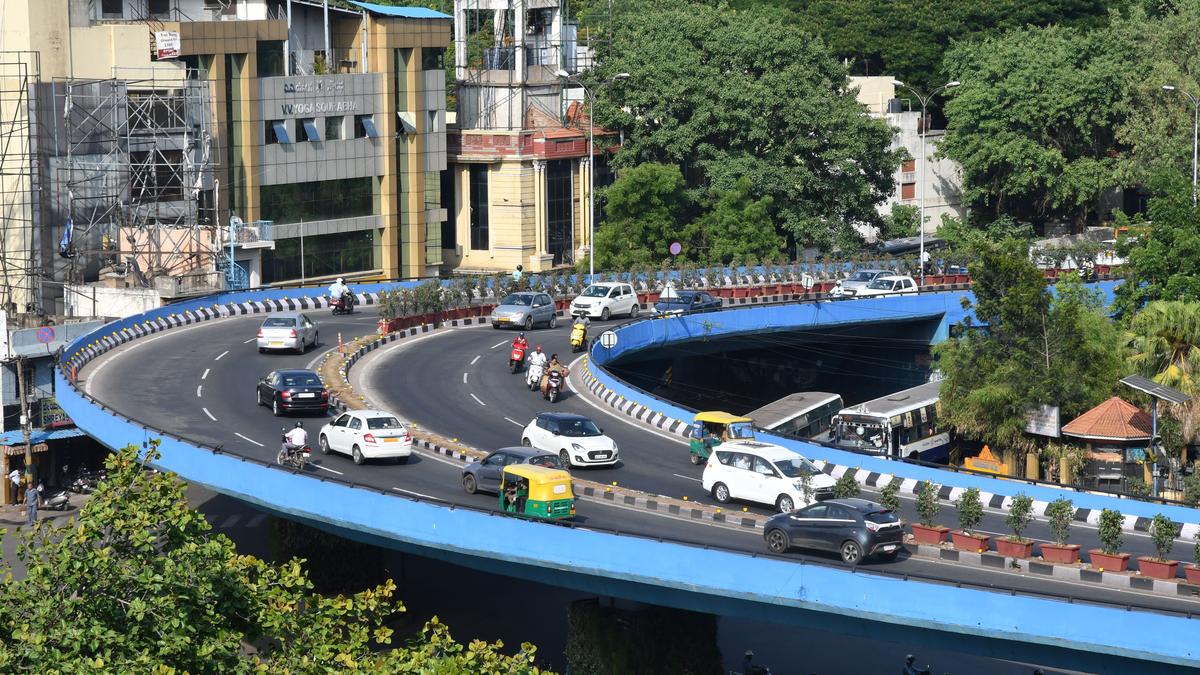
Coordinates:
x,y
899,425
805,414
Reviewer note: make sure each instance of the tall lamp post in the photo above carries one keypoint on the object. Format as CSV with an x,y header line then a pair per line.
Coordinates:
x,y
1195,128
924,130
591,101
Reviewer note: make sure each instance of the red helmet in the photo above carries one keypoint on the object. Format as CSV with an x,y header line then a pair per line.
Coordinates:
x,y
537,348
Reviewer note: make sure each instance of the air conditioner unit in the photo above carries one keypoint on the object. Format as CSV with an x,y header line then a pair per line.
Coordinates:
x,y
458,250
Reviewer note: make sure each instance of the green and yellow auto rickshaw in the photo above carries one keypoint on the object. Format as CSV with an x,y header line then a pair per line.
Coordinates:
x,y
536,492
710,429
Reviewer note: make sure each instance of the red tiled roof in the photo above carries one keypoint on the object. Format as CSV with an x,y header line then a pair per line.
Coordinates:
x,y
1115,419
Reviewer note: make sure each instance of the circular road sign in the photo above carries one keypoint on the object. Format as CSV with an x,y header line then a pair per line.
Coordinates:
x,y
45,334
676,248
608,339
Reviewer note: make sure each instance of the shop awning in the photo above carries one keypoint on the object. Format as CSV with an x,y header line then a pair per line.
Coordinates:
x,y
14,438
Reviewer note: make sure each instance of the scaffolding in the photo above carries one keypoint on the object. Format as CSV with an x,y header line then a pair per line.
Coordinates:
x,y
135,179
20,179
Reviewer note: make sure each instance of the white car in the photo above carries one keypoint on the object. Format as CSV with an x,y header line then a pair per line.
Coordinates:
x,y
287,330
574,438
764,473
850,286
889,285
366,434
602,300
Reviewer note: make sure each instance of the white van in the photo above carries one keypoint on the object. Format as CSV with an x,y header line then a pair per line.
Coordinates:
x,y
764,473
604,299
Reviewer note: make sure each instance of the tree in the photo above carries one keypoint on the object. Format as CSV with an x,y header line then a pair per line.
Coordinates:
x,y
645,206
1164,339
138,583
1034,122
901,222
736,226
1163,259
730,94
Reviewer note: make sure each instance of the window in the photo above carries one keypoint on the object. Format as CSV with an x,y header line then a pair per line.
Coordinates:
x,y
479,207
742,461
306,130
364,127
333,128
341,421
840,513
355,423
496,459
908,190
324,255
431,58
270,58
560,211
818,511
762,466
112,8
318,200
275,132
909,166
432,127
385,422
450,225
159,9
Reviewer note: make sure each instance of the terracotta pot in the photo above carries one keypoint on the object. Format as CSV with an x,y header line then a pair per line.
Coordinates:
x,y
1192,572
1158,569
1113,562
1067,554
934,536
976,543
1013,548
741,292
384,327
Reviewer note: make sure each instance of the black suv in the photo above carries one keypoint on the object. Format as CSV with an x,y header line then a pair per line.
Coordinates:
x,y
854,528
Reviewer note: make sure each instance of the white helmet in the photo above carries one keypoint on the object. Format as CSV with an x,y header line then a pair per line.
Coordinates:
x,y
341,281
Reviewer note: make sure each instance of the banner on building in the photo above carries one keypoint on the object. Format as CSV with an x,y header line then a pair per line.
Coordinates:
x,y
1043,421
166,44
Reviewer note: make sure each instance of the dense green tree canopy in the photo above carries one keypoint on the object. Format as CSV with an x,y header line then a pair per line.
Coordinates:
x,y
731,94
735,227
645,211
1162,255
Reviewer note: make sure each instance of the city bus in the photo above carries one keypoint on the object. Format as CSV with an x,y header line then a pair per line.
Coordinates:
x,y
805,414
899,425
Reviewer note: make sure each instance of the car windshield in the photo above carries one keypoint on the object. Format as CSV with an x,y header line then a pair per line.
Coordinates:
x,y
301,380
796,467
741,430
681,299
522,300
881,284
279,322
862,276
596,292
548,461
882,517
578,428
387,422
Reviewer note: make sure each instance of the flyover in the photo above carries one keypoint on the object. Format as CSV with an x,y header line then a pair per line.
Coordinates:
x,y
196,380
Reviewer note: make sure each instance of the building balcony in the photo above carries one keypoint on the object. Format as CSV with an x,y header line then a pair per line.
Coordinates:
x,y
255,234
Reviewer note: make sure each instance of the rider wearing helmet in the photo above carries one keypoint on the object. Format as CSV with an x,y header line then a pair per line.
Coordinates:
x,y
339,290
296,438
521,342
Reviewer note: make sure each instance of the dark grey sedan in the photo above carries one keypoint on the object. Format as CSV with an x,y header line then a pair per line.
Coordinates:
x,y
853,528
484,474
688,302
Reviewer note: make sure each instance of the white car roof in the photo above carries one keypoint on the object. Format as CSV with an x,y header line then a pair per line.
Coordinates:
x,y
893,277
768,451
373,413
609,283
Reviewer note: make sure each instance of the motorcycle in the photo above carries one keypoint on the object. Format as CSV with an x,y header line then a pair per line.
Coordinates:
x,y
553,385
85,481
516,359
59,501
578,337
342,305
533,378
293,457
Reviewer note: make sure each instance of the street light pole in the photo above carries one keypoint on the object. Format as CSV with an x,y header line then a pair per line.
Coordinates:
x,y
591,101
1195,132
923,132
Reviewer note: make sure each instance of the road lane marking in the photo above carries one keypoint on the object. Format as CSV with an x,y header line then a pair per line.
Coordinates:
x,y
329,470
250,340
210,415
231,521
222,354
464,378
244,438
256,520
498,344
514,421
476,359
205,375
477,400
199,387
417,494
687,477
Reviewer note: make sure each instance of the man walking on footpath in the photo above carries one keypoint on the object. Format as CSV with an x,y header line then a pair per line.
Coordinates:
x,y
32,497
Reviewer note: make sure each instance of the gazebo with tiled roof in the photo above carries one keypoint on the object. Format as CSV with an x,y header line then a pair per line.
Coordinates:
x,y
1116,433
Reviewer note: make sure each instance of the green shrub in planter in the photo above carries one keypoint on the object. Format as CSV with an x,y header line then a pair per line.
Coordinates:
x,y
1110,533
889,496
1060,512
846,487
1163,531
1020,514
970,510
927,502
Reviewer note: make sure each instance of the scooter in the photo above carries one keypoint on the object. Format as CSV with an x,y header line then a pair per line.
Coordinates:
x,y
293,457
516,359
533,379
578,337
342,305
553,385
59,501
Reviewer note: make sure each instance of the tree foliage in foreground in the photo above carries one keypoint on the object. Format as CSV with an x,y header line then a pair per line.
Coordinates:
x,y
1163,253
139,583
1034,348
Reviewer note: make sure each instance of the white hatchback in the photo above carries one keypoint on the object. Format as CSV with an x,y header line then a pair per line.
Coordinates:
x,y
574,438
764,473
605,299
889,285
366,434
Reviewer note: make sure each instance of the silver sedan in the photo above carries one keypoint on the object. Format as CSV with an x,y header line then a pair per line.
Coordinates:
x,y
287,330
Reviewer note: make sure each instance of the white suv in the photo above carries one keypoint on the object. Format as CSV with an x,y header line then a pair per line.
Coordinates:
x,y
604,299
764,473
889,285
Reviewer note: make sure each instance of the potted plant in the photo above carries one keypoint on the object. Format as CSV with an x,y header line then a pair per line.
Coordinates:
x,y
1192,572
1060,512
889,496
925,532
970,514
1020,514
846,487
1108,556
1162,532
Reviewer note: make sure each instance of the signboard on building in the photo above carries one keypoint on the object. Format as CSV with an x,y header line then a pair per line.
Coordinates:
x,y
166,44
1043,421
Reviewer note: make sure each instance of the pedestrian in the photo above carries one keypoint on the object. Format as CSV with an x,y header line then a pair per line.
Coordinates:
x,y
516,275
32,497
15,477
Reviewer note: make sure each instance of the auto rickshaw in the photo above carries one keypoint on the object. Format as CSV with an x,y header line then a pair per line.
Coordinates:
x,y
536,492
710,429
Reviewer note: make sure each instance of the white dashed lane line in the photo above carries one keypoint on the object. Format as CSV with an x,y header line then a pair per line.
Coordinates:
x,y
476,359
250,340
687,478
205,375
221,355
251,440
210,415
477,400
514,421
464,378
415,494
499,344
329,470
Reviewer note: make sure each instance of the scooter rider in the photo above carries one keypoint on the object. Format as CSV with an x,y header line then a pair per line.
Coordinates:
x,y
521,342
537,364
296,439
338,290
554,365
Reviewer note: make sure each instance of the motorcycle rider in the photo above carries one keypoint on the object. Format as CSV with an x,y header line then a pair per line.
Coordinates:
x,y
521,342
338,290
554,365
295,440
537,364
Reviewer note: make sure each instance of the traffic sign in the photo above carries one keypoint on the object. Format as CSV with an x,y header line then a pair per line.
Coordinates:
x,y
45,335
608,339
676,248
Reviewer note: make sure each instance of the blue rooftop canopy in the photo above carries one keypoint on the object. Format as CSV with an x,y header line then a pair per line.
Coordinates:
x,y
404,12
39,435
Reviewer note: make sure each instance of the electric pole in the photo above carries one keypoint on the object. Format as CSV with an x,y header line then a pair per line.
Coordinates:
x,y
24,418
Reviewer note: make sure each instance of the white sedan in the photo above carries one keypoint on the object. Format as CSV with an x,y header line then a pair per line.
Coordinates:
x,y
366,434
574,438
